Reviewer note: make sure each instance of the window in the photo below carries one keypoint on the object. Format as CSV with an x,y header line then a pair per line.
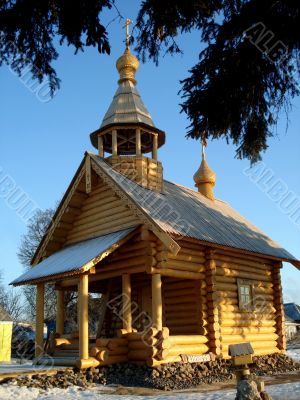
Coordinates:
x,y
246,298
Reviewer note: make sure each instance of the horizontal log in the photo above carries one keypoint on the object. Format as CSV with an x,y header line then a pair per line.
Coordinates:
x,y
95,198
180,321
182,266
230,272
107,273
173,284
189,258
246,330
102,342
99,207
248,338
126,257
88,363
91,223
118,351
112,222
255,345
268,309
114,360
140,355
187,339
116,342
228,287
186,244
134,336
152,362
243,316
177,274
266,351
245,322
248,261
101,230
99,215
184,330
181,315
138,345
188,349
181,293
181,308
133,261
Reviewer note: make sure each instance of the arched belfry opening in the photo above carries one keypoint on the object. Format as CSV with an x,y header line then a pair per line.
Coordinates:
x,y
127,132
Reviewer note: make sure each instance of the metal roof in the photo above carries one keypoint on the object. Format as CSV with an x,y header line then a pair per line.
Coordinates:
x,y
127,107
292,310
73,259
183,212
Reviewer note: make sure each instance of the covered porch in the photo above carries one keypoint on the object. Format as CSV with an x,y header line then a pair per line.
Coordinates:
x,y
148,314
130,327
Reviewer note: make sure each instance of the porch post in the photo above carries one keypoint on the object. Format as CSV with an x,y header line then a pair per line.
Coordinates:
x,y
83,317
39,329
156,302
60,311
126,289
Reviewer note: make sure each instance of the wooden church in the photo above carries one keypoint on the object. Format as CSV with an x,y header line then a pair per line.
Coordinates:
x,y
182,275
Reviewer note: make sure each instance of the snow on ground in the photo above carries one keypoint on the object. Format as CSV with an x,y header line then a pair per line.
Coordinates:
x,y
289,391
294,354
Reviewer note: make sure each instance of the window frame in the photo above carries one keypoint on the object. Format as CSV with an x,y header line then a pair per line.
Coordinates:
x,y
251,304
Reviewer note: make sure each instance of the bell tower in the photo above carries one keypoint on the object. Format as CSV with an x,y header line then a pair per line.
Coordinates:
x,y
127,132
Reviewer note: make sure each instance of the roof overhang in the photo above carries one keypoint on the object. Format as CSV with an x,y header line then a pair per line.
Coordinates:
x,y
75,259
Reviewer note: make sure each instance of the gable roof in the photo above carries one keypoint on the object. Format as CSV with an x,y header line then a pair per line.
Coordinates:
x,y
76,258
182,212
292,310
80,175
177,212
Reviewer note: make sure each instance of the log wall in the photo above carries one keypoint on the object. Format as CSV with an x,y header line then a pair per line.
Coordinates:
x,y
184,289
235,325
182,312
101,212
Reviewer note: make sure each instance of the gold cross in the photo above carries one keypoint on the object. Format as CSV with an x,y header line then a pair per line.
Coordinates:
x,y
126,26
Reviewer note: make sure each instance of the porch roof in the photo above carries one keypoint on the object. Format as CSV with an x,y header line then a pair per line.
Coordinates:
x,y
74,259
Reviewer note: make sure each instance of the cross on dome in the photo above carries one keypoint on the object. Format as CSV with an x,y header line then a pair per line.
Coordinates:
x,y
127,34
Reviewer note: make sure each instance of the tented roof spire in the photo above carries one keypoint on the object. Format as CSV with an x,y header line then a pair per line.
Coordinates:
x,y
127,111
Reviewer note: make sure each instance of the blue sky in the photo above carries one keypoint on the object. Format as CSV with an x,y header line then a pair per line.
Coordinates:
x,y
42,143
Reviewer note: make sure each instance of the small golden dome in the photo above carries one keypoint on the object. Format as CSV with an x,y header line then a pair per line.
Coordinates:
x,y
127,65
205,178
204,174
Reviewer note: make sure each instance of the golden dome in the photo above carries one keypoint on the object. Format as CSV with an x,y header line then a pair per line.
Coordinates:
x,y
205,178
204,174
127,65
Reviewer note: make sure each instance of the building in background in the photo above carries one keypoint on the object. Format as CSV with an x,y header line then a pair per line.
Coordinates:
x,y
6,325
